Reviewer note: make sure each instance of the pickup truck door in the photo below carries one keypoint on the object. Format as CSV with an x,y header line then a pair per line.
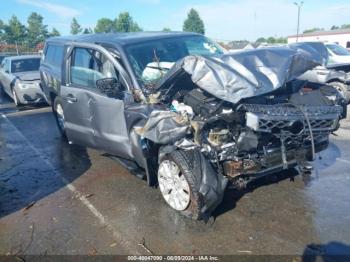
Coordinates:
x,y
94,118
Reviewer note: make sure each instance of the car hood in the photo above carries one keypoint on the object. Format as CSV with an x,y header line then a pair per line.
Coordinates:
x,y
28,76
232,77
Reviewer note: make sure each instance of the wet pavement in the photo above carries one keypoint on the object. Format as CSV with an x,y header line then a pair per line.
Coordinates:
x,y
57,198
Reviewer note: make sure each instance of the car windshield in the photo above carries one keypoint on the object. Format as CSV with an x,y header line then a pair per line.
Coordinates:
x,y
25,65
152,59
338,50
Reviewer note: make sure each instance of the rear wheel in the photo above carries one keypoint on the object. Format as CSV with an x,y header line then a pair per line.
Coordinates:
x,y
177,185
57,109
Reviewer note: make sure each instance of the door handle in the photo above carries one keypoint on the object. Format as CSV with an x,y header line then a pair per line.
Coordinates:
x,y
71,99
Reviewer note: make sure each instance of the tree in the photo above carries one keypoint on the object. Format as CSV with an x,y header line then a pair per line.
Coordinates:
x,y
194,23
261,40
125,23
315,29
87,31
334,27
2,27
54,32
36,31
75,27
346,26
14,31
105,25
166,29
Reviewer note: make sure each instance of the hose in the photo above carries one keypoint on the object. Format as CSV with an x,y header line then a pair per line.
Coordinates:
x,y
309,127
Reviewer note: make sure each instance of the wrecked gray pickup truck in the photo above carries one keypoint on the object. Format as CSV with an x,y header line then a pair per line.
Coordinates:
x,y
177,110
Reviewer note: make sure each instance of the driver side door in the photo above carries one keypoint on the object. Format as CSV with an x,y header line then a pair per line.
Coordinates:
x,y
93,117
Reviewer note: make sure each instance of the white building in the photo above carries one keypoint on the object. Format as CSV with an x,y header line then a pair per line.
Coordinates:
x,y
339,36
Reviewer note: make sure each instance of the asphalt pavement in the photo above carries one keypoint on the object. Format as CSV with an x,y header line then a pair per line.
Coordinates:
x,y
57,198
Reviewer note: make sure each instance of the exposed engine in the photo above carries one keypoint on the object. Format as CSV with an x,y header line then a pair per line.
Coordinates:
x,y
255,138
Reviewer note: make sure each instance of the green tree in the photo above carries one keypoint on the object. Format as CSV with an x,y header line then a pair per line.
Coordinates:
x,y
334,27
346,26
87,31
36,30
54,32
194,23
315,29
105,25
75,27
125,23
166,29
2,27
261,40
14,31
271,40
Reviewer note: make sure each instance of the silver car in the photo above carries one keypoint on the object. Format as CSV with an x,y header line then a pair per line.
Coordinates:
x,y
20,79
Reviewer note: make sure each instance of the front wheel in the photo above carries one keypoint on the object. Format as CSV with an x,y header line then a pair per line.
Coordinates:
x,y
177,185
58,112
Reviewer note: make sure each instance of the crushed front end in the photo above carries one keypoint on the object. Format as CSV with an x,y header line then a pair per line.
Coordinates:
x,y
245,115
270,138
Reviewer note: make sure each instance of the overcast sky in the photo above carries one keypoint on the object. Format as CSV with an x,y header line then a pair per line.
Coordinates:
x,y
223,19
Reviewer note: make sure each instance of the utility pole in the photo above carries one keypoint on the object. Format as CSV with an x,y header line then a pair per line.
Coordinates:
x,y
299,5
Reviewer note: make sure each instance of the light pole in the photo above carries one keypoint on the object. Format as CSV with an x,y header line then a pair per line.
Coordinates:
x,y
299,5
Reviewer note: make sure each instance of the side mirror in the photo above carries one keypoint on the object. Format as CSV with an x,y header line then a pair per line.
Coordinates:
x,y
109,86
7,71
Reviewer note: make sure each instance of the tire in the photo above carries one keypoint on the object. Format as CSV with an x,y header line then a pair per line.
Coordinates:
x,y
182,161
343,90
58,112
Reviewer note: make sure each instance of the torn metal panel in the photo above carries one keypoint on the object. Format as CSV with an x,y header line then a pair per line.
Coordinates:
x,y
232,77
164,127
315,50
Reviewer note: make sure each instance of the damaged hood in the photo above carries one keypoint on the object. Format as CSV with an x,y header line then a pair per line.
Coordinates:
x,y
232,77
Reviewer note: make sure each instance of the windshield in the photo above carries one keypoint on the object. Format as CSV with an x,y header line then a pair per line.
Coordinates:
x,y
25,65
338,50
151,60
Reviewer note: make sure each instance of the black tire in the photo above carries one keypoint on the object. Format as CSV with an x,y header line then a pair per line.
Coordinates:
x,y
184,161
58,102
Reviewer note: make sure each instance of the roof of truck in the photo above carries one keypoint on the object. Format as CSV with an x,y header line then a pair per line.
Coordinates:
x,y
119,38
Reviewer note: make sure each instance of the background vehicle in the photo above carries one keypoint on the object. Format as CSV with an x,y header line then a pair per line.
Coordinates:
x,y
20,79
337,54
173,106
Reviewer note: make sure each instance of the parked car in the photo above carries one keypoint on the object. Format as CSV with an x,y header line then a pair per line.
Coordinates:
x,y
20,79
175,109
337,54
323,77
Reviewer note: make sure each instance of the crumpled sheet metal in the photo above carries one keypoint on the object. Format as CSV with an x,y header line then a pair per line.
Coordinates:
x,y
315,50
164,127
232,77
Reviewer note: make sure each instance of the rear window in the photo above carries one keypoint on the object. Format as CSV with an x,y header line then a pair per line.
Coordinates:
x,y
25,65
54,55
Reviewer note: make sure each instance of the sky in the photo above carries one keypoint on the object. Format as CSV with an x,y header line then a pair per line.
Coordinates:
x,y
223,19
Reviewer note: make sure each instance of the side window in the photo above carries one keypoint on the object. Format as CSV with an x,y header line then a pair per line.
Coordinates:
x,y
7,65
3,64
87,66
347,45
54,55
